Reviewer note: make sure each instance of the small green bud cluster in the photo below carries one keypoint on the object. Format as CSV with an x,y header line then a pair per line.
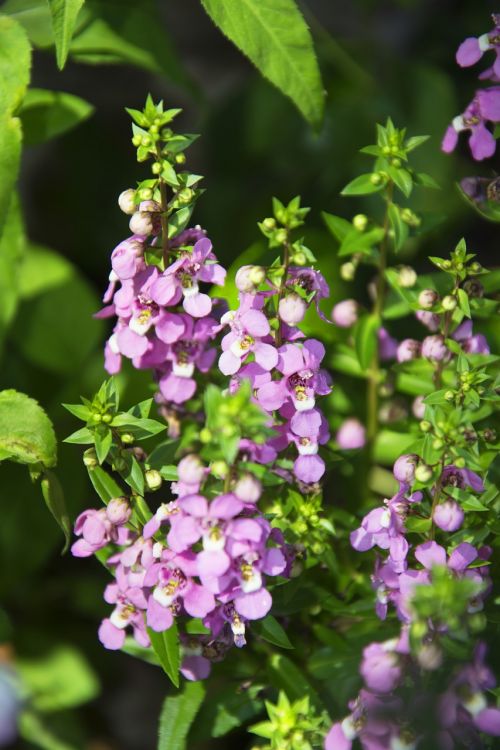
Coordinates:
x,y
291,726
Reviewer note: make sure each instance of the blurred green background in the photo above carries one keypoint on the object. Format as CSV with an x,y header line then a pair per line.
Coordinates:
x,y
378,59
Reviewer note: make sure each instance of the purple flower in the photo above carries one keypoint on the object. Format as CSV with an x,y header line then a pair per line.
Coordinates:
x,y
97,530
448,515
181,280
249,326
434,348
404,468
453,476
302,380
351,434
345,313
408,349
291,309
472,344
485,107
387,345
473,48
430,320
312,282
381,667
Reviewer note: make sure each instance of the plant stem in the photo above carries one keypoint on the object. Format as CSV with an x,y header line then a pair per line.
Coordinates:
x,y
286,263
374,371
437,377
164,208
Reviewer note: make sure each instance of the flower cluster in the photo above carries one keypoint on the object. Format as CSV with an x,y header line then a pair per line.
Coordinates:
x,y
485,105
431,596
265,345
194,557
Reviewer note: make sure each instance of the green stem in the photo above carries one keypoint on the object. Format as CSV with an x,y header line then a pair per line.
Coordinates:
x,y
164,208
286,264
374,372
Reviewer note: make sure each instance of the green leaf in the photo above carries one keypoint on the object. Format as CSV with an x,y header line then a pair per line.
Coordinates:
x,y
81,437
78,410
360,242
10,153
362,185
272,631
61,680
177,715
127,32
73,335
415,141
104,485
132,648
275,37
166,647
338,226
287,676
34,728
12,245
418,525
15,61
103,439
365,339
64,14
390,444
54,498
398,226
163,454
34,17
133,475
46,114
26,433
463,302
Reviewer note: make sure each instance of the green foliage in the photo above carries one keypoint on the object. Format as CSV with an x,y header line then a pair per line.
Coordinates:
x,y
26,433
54,498
64,14
275,37
291,726
47,114
166,647
178,713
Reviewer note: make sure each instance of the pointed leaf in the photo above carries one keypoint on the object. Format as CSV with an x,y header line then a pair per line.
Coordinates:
x,y
54,497
177,715
64,14
275,37
166,647
104,485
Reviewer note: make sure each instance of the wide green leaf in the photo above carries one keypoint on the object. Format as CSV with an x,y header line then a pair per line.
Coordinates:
x,y
46,114
104,485
64,14
15,61
271,630
166,647
11,250
275,37
54,498
10,154
26,432
177,715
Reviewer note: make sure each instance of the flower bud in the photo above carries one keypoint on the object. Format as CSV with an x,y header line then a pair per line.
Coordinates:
x,y
219,469
375,178
345,313
474,289
351,434
248,489
281,236
127,438
418,407
425,425
448,516
408,349
156,167
191,469
126,201
423,473
347,271
407,276
430,656
292,308
90,458
141,223
428,298
118,511
489,435
185,196
153,479
430,320
449,302
269,223
434,348
249,277
404,468
180,158
360,222
299,258
449,395
205,435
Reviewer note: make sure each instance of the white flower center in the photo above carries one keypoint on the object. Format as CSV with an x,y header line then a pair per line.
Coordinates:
x,y
183,369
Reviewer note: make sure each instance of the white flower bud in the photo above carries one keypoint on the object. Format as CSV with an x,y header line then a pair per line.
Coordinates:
x,y
141,223
126,201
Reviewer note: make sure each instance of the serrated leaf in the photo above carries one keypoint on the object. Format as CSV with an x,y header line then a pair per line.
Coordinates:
x,y
362,185
166,647
177,715
366,339
54,499
26,432
275,37
64,14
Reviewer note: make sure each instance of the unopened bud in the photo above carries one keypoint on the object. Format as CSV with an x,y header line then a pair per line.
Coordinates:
x,y
291,309
360,222
153,479
449,396
185,196
425,425
126,201
269,224
375,178
345,313
475,268
248,488
180,159
423,473
449,302
407,276
90,457
249,277
118,510
430,656
205,435
281,236
427,298
156,167
347,271
489,435
219,469
127,438
141,223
